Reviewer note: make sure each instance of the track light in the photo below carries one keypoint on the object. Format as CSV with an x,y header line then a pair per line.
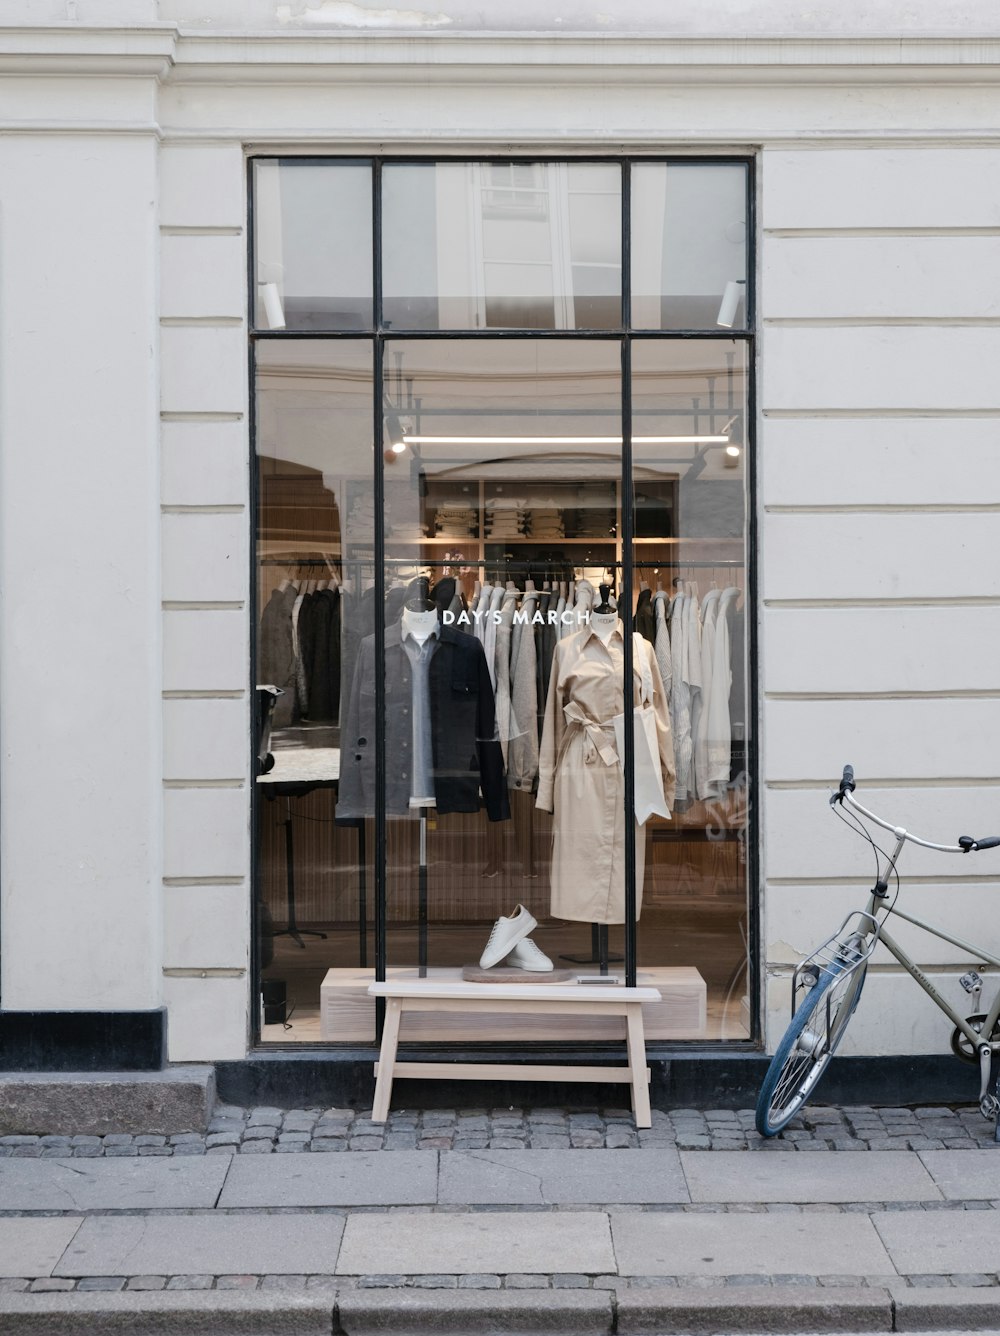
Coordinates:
x,y
271,301
730,302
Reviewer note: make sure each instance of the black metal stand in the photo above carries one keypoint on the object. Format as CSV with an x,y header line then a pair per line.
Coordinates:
x,y
598,950
422,898
293,930
362,894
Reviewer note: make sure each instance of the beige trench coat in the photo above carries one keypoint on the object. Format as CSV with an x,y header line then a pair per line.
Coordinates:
x,y
580,778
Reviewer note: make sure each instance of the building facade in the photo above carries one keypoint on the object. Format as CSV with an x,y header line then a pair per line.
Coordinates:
x,y
634,299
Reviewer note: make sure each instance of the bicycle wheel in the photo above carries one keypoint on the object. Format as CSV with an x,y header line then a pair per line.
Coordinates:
x,y
808,1045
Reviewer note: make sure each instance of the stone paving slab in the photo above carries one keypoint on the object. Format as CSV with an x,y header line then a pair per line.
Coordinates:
x,y
926,1243
132,1245
651,1312
558,1177
126,1184
964,1175
734,1176
33,1247
481,1242
724,1245
407,1178
475,1313
195,1313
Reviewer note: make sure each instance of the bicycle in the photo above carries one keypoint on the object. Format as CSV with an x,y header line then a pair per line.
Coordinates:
x,y
826,985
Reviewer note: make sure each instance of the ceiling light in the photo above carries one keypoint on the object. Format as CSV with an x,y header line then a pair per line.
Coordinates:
x,y
733,450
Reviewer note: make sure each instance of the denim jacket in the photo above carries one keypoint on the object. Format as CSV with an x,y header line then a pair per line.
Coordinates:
x,y
467,755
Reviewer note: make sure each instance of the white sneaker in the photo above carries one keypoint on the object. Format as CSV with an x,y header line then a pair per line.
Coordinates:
x,y
527,956
507,932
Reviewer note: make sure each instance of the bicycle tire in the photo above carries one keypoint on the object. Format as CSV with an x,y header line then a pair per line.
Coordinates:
x,y
797,1066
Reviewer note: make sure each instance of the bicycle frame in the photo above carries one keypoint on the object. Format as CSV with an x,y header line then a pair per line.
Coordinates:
x,y
979,1039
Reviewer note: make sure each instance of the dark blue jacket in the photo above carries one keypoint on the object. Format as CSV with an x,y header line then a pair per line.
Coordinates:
x,y
467,755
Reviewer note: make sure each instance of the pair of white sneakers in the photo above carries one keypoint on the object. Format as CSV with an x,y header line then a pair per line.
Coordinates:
x,y
510,942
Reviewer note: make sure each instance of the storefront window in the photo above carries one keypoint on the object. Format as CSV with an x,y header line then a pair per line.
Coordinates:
x,y
482,578
313,235
689,245
510,245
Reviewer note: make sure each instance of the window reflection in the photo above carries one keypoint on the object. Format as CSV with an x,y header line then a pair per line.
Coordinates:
x,y
502,245
312,223
689,241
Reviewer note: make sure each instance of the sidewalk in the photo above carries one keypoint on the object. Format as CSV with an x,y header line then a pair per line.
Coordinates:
x,y
651,1239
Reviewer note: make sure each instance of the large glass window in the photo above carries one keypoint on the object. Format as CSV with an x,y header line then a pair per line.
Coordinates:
x,y
545,504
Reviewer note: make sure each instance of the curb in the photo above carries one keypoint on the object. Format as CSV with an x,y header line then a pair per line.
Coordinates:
x,y
476,1312
145,1313
930,1310
394,1312
753,1308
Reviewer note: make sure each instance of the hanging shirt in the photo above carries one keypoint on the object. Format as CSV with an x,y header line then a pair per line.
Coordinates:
x,y
502,667
719,731
490,631
522,749
661,642
680,696
709,611
422,773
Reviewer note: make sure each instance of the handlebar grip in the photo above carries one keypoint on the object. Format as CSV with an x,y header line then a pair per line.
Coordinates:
x,y
847,780
969,845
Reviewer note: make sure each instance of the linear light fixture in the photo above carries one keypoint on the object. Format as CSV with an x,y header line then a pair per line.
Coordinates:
x,y
563,440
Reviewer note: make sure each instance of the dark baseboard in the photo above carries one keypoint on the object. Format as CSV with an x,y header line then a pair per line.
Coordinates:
x,y
83,1041
697,1079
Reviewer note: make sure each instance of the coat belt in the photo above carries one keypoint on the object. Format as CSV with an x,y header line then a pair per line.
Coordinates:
x,y
602,735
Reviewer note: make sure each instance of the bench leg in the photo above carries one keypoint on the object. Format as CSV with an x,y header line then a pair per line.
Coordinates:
x,y
387,1059
637,1064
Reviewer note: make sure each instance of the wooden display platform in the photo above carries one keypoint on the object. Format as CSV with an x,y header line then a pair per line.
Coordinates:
x,y
511,974
437,997
347,1013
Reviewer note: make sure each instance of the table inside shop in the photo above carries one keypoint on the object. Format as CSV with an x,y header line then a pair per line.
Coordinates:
x,y
300,769
569,998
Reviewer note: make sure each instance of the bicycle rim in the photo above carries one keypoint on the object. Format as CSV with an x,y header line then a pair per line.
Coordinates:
x,y
807,1047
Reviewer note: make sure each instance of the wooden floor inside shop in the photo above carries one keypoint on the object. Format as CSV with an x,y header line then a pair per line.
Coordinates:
x,y
709,937
693,911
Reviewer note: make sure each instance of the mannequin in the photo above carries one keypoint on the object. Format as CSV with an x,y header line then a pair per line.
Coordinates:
x,y
581,777
419,625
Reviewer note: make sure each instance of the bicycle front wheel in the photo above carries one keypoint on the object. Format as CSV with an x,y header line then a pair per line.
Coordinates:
x,y
808,1045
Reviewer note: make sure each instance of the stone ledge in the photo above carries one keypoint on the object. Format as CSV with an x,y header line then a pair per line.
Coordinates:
x,y
784,1308
963,1309
178,1099
475,1312
194,1313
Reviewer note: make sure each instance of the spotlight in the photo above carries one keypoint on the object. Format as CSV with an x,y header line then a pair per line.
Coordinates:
x,y
733,450
273,310
730,302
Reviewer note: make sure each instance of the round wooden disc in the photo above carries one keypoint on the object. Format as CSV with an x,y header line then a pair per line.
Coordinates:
x,y
511,974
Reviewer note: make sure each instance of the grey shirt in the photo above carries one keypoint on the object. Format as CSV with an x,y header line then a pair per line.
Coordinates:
x,y
422,773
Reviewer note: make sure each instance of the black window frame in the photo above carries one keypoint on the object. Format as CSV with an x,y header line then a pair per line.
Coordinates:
x,y
378,335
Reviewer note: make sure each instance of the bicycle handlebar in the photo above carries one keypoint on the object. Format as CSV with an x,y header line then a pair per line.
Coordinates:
x,y
966,843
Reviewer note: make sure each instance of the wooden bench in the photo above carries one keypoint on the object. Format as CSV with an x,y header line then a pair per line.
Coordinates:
x,y
578,999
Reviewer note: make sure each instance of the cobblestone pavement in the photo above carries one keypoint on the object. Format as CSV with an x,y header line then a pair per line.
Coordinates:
x,y
558,1281
263,1131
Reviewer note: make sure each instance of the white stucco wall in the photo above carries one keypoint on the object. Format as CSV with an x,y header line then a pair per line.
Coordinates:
x,y
80,569
878,435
